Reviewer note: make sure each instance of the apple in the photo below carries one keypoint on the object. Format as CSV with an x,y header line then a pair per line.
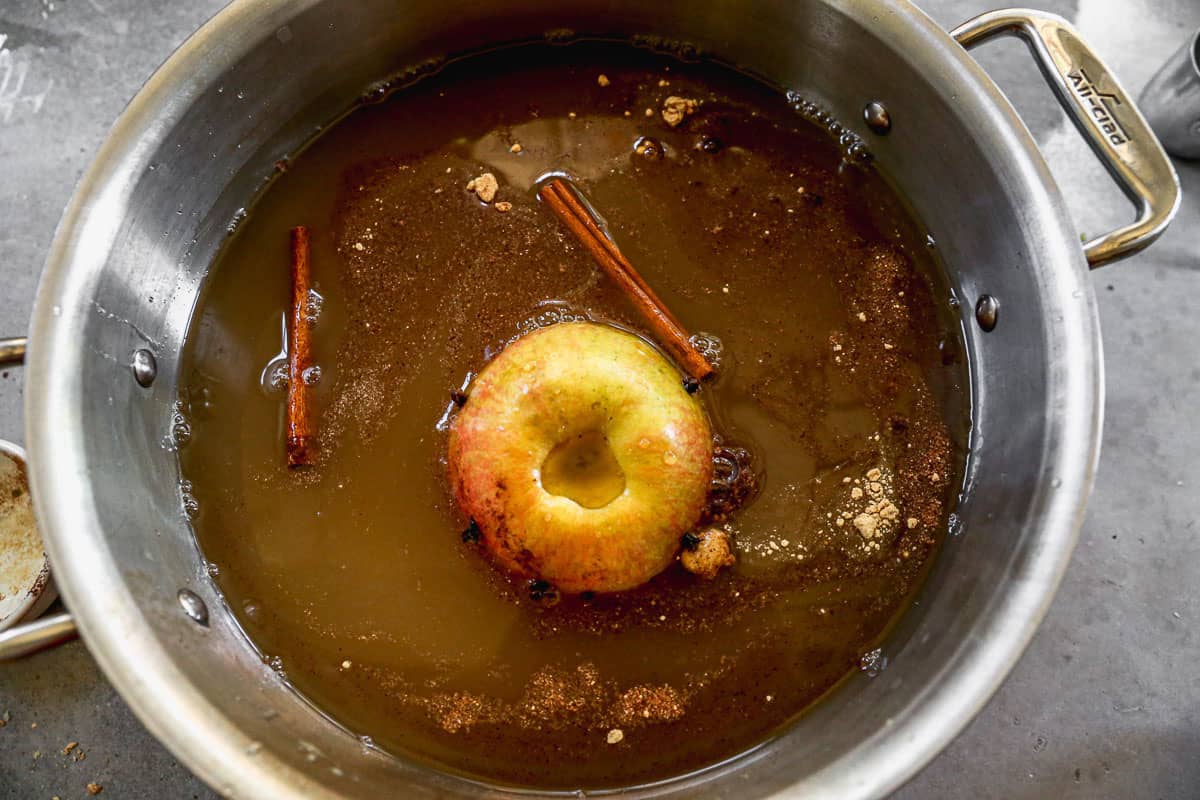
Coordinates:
x,y
581,458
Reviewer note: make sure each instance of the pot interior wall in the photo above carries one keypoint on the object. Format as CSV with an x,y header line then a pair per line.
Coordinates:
x,y
210,133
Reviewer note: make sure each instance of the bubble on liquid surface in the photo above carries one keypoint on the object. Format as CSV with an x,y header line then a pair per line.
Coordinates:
x,y
181,429
854,149
238,217
313,306
560,36
649,149
734,479
191,506
710,346
376,93
552,312
873,662
311,376
274,376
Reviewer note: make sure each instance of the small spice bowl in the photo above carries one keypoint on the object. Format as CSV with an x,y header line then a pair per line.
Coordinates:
x,y
26,588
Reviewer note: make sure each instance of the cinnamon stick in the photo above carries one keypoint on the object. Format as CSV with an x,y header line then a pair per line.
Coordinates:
x,y
571,211
301,438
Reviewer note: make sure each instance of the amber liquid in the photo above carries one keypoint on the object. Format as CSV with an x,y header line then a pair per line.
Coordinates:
x,y
837,359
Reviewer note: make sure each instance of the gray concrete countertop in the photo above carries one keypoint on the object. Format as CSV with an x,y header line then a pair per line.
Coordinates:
x,y
1106,702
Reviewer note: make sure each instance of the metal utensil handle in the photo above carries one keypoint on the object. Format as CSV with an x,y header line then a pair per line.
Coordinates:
x,y
1103,113
21,640
37,635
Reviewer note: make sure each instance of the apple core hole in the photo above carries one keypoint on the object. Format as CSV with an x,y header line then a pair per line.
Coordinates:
x,y
584,469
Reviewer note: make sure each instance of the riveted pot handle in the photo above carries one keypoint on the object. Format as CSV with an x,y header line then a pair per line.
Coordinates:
x,y
29,637
1103,113
12,351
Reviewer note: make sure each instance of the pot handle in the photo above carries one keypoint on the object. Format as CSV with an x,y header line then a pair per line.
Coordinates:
x,y
21,640
39,634
1103,113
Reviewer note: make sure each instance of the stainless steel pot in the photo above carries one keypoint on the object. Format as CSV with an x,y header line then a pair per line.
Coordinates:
x,y
260,78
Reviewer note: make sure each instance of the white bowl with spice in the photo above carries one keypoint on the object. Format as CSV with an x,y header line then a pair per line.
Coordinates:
x,y
26,588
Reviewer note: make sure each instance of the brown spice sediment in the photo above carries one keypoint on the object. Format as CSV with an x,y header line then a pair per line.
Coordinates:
x,y
301,440
555,699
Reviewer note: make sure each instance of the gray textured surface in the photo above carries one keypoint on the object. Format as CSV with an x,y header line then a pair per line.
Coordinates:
x,y
1105,704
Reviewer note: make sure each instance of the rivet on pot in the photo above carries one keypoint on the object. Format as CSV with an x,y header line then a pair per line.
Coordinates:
x,y
145,368
877,118
986,311
193,606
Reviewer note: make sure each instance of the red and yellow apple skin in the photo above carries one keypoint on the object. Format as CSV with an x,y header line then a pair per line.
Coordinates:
x,y
571,380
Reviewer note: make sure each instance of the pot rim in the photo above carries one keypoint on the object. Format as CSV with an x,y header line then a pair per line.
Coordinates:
x,y
203,739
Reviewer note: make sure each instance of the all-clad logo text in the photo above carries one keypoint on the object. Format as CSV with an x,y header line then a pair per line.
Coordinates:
x,y
1101,105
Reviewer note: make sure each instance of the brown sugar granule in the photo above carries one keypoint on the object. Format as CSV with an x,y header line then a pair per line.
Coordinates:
x,y
677,109
484,187
504,206
516,148
712,553
94,789
615,736
603,80
872,509
867,525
